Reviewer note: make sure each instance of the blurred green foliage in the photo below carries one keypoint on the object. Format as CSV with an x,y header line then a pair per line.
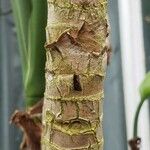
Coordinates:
x,y
30,18
145,87
145,94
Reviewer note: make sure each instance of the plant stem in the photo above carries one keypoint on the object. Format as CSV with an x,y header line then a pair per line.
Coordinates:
x,y
137,117
75,69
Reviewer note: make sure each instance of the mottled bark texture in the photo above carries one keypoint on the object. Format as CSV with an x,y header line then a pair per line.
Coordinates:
x,y
75,69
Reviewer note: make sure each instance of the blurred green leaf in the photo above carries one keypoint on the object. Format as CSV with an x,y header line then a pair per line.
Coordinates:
x,y
22,12
145,87
30,18
145,94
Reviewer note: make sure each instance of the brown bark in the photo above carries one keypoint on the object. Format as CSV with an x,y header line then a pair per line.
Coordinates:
x,y
77,50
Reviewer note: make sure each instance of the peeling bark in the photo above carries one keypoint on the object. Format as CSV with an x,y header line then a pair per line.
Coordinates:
x,y
31,125
77,55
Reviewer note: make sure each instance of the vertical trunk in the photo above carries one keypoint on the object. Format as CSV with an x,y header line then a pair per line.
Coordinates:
x,y
75,70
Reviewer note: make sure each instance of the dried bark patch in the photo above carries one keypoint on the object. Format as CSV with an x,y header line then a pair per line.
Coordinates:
x,y
31,126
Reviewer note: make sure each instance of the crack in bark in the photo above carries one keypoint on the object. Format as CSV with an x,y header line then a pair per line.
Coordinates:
x,y
76,83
